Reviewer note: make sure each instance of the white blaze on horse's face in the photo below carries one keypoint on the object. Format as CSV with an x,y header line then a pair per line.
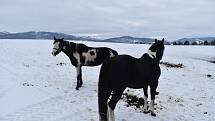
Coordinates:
x,y
90,56
55,48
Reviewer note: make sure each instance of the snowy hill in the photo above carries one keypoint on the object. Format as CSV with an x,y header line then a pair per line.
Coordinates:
x,y
35,87
129,39
42,35
50,35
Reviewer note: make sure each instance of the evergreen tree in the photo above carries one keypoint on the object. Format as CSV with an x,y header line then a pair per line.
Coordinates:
x,y
213,42
205,42
194,43
174,43
186,43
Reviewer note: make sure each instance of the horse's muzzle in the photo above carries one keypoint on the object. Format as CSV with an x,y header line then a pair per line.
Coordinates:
x,y
53,53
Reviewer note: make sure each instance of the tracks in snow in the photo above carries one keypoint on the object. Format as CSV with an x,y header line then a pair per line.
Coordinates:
x,y
59,108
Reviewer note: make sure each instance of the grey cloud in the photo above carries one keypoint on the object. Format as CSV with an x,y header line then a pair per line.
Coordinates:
x,y
142,18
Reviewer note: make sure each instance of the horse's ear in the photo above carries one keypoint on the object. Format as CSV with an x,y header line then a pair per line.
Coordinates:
x,y
163,40
156,40
63,38
54,38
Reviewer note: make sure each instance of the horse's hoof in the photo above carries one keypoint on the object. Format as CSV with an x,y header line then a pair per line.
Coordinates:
x,y
81,84
156,93
77,88
153,114
103,117
145,111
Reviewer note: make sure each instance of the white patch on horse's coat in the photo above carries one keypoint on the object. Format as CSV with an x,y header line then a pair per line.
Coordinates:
x,y
151,54
145,104
89,57
111,54
151,106
55,48
64,47
111,116
77,56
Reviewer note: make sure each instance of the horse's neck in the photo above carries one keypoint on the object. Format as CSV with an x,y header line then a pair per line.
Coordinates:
x,y
69,48
149,55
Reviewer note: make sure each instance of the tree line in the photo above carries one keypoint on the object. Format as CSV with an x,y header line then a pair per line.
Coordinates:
x,y
195,43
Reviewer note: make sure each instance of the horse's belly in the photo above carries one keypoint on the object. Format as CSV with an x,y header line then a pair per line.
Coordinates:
x,y
136,85
90,63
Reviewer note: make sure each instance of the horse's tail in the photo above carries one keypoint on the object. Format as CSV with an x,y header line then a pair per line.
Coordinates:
x,y
104,91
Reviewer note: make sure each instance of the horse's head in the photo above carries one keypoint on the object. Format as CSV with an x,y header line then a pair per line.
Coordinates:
x,y
58,46
157,48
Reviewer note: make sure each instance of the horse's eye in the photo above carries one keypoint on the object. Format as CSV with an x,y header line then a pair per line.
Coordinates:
x,y
60,45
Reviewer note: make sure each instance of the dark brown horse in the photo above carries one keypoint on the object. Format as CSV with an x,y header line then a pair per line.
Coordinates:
x,y
125,71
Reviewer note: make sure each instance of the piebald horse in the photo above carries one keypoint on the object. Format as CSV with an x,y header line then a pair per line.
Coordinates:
x,y
82,55
125,71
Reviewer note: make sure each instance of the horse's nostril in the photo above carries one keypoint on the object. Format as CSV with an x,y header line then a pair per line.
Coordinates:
x,y
53,54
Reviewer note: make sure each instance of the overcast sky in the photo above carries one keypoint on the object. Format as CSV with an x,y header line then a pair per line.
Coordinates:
x,y
172,19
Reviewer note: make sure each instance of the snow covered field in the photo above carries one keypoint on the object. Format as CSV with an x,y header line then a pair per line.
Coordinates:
x,y
35,87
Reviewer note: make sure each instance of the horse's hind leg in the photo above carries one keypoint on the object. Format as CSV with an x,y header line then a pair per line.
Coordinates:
x,y
116,95
102,100
145,90
104,92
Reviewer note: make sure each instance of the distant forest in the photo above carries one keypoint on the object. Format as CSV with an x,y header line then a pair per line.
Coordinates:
x,y
194,43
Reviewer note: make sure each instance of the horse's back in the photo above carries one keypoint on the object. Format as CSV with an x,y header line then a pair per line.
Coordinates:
x,y
130,71
118,70
120,62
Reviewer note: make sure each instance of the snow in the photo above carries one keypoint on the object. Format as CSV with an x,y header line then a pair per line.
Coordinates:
x,y
34,88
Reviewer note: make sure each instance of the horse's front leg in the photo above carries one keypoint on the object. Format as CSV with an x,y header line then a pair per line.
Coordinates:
x,y
151,106
145,108
79,77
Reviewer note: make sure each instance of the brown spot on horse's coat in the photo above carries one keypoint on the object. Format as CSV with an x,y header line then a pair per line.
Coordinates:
x,y
92,53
